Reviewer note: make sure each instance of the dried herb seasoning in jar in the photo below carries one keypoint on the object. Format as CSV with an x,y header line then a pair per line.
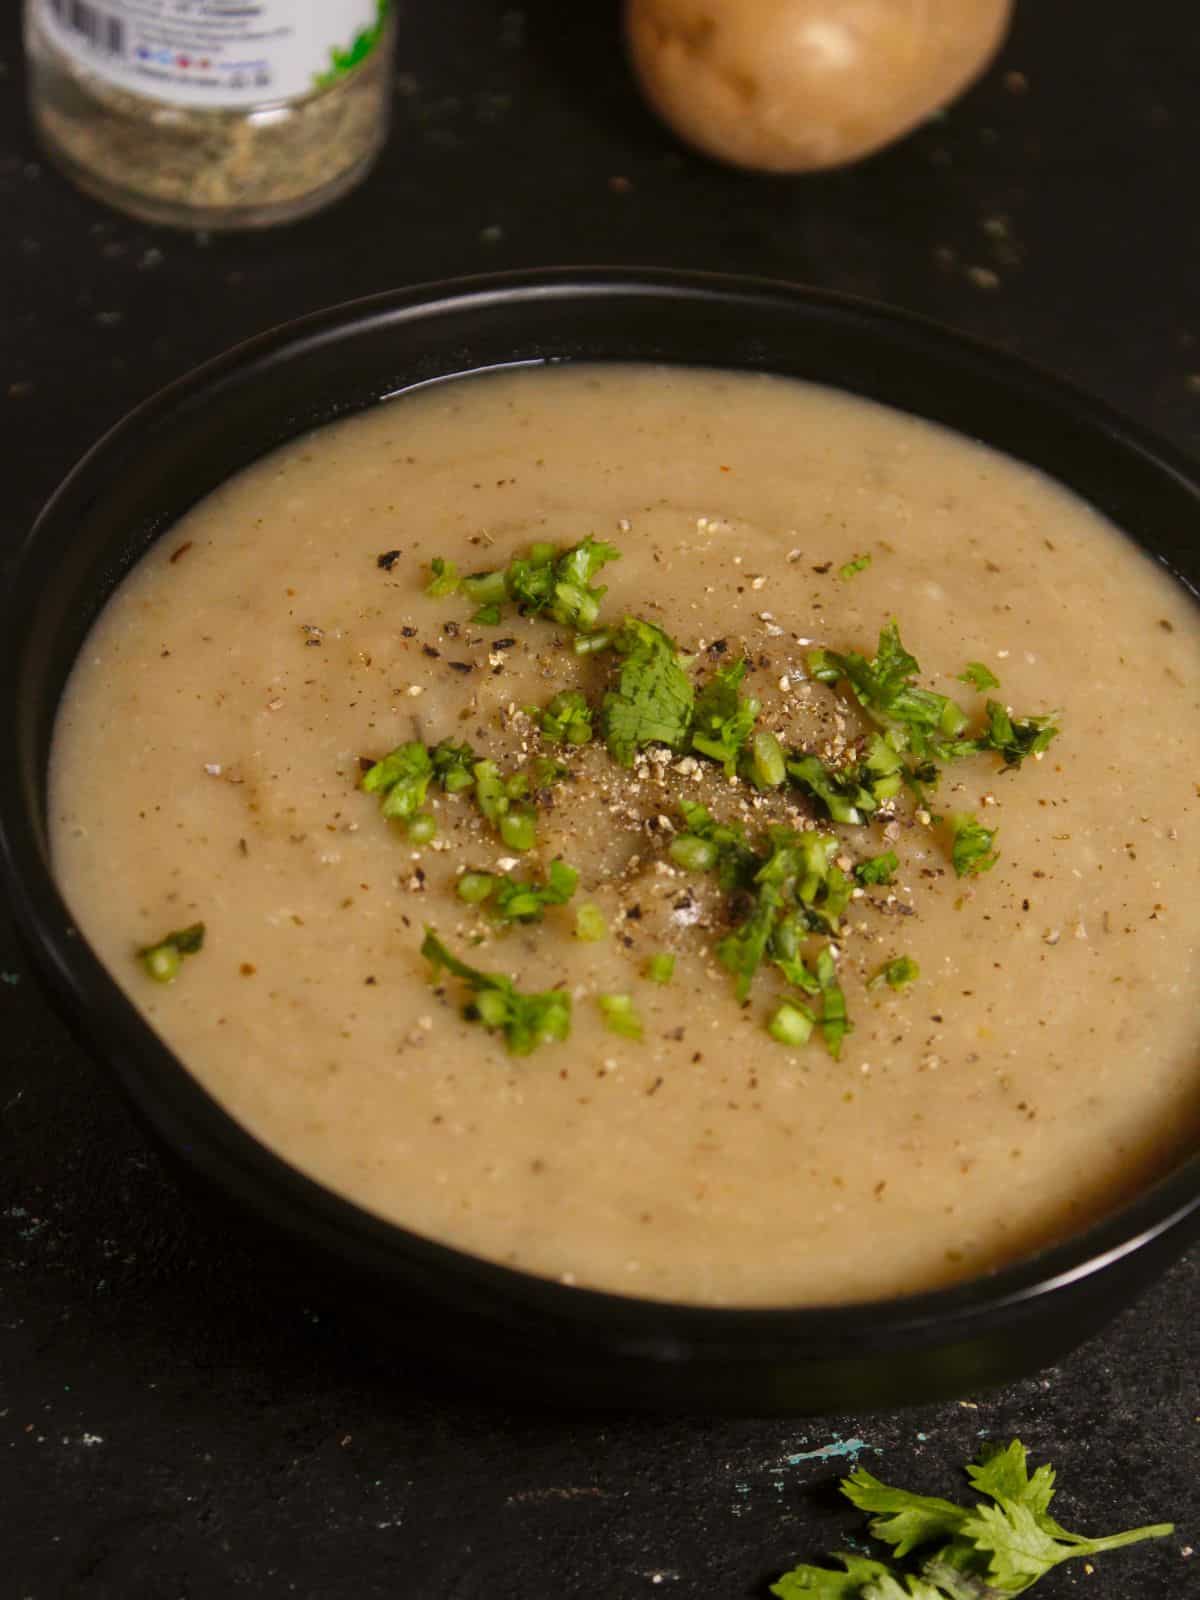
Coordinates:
x,y
211,114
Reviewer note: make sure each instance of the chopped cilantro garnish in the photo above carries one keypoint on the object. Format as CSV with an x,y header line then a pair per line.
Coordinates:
x,y
979,676
550,580
475,887
452,765
163,960
785,951
972,850
576,601
724,720
693,853
853,568
844,796
488,591
879,869
708,845
918,720
501,801
510,899
587,644
898,973
567,719
741,952
619,1015
487,616
661,968
792,1023
547,772
1015,738
781,893
526,1020
968,1552
445,579
400,780
886,688
764,763
835,1024
796,889
650,701
422,828
850,793
590,925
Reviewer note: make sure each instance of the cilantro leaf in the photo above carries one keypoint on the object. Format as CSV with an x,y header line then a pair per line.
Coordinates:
x,y
852,568
821,1583
972,849
1018,1549
879,869
1002,1471
526,1020
902,1519
979,676
724,719
898,973
163,960
908,1587
651,700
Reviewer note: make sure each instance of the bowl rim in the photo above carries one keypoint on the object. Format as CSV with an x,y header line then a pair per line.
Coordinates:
x,y
191,1122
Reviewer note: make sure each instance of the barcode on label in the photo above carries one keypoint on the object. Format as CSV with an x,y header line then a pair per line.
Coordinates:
x,y
100,28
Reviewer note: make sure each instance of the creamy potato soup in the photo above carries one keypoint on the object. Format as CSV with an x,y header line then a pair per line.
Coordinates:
x,y
739,1055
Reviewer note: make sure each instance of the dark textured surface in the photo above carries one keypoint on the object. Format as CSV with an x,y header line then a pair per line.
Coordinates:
x,y
169,1426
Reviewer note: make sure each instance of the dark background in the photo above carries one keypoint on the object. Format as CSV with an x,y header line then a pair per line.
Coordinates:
x,y
169,1427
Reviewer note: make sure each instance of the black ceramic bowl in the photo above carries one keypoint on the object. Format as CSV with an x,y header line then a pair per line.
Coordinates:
x,y
572,1344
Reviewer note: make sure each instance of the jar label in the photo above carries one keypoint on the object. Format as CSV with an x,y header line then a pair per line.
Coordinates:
x,y
212,53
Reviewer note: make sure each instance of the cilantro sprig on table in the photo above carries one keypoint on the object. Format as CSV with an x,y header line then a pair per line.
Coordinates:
x,y
982,1552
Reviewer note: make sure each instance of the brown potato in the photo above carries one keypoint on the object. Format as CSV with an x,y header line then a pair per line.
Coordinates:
x,y
798,85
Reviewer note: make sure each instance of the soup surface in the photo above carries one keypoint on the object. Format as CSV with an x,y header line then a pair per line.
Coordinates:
x,y
208,768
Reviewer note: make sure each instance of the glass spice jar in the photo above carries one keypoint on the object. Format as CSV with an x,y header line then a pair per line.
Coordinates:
x,y
211,113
